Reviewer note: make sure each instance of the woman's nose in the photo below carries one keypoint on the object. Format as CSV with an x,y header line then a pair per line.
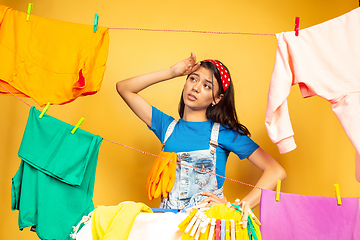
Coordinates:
x,y
196,87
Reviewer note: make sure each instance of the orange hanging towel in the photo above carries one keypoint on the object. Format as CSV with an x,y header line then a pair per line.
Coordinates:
x,y
50,60
162,175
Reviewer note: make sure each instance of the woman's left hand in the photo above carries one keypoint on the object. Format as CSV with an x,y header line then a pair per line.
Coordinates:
x,y
212,199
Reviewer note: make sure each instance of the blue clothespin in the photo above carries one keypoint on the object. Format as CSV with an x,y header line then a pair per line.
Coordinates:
x,y
96,21
77,125
222,229
29,10
44,110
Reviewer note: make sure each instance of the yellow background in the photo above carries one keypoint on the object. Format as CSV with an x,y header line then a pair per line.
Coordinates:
x,y
324,155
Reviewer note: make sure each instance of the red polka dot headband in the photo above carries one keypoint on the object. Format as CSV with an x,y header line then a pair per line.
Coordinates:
x,y
224,74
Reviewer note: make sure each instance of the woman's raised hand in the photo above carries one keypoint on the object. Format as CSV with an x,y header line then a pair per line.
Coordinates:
x,y
185,67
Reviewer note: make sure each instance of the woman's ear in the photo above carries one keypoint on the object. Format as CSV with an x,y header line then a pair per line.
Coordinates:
x,y
217,99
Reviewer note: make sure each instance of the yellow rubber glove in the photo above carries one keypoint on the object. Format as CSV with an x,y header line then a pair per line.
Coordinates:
x,y
162,175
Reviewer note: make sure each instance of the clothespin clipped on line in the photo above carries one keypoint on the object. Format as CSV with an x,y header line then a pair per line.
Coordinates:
x,y
96,21
44,110
77,125
337,194
29,10
297,22
278,186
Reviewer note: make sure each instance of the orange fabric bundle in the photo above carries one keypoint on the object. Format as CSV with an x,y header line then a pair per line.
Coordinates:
x,y
162,175
50,60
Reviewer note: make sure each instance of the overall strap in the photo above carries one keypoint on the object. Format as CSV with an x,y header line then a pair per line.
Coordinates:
x,y
214,137
169,131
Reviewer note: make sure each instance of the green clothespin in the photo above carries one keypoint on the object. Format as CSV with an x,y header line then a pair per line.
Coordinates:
x,y
44,110
77,125
30,6
96,21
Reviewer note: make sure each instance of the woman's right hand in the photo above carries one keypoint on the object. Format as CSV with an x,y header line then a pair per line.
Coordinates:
x,y
185,67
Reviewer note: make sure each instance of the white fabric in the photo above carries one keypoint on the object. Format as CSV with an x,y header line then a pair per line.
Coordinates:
x,y
147,226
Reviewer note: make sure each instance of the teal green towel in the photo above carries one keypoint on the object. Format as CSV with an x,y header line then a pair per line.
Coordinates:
x,y
53,187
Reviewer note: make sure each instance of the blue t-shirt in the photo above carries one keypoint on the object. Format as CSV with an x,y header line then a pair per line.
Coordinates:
x,y
192,136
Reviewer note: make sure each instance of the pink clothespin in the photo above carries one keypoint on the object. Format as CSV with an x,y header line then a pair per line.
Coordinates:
x,y
297,21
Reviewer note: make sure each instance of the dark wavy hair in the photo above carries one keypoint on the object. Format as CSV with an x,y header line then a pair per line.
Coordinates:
x,y
224,111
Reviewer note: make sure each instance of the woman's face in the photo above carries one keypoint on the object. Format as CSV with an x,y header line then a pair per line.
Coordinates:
x,y
199,89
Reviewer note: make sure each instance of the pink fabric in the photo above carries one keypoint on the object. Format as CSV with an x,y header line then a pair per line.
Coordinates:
x,y
323,60
308,217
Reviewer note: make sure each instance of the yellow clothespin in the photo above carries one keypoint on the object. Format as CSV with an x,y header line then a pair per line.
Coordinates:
x,y
237,230
29,10
337,193
96,21
187,219
227,229
44,110
278,186
77,125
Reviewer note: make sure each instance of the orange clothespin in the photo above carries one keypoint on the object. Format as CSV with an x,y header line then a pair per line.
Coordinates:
x,y
29,10
337,194
96,21
77,125
44,110
297,22
278,186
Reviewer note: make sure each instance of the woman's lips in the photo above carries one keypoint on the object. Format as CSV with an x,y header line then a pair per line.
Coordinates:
x,y
191,97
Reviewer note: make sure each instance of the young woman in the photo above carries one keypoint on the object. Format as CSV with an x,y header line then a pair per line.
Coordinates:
x,y
207,131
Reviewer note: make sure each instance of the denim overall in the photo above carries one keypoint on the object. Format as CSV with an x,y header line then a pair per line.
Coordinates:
x,y
189,182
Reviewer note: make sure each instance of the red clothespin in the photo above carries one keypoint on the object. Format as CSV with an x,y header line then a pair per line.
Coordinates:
x,y
217,229
297,21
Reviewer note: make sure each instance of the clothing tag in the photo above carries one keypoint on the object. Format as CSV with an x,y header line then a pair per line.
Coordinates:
x,y
33,229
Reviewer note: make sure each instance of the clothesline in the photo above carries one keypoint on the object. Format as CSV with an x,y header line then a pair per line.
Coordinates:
x,y
154,155
193,31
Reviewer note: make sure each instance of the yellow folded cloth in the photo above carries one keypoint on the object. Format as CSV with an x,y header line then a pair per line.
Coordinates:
x,y
115,222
